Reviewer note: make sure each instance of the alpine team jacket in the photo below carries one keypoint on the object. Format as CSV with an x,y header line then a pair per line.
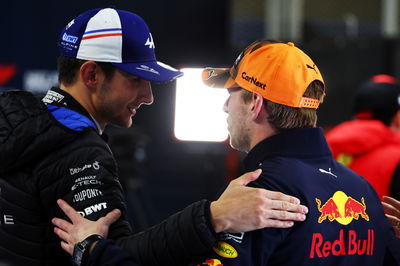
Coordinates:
x,y
53,150
345,225
372,150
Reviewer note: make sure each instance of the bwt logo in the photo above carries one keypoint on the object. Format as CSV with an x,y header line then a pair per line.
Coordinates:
x,y
69,38
94,208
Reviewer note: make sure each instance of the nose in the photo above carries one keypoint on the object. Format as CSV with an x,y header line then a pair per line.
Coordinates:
x,y
147,93
225,107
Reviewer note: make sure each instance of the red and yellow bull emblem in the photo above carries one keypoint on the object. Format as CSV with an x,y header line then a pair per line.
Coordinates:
x,y
342,208
211,262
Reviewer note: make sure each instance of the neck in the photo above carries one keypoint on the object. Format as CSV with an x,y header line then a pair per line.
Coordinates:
x,y
82,96
261,132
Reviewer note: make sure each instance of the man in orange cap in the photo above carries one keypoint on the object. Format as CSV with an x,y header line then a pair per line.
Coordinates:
x,y
275,90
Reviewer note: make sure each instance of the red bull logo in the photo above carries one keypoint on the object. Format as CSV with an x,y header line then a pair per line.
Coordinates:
x,y
321,248
211,262
342,208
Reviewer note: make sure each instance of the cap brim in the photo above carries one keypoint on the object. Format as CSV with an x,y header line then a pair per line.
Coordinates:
x,y
154,71
218,78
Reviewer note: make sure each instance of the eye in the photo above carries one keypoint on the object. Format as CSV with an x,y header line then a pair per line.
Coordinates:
x,y
135,80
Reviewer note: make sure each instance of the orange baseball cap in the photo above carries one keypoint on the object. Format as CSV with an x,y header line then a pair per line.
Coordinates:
x,y
280,72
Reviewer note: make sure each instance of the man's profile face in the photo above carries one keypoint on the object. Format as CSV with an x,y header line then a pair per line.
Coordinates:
x,y
120,97
237,120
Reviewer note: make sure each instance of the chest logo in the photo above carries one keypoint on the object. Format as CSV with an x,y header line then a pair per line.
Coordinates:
x,y
341,208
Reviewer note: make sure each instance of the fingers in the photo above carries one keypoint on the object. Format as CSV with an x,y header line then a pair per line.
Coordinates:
x,y
394,221
67,247
274,195
395,203
111,217
287,206
285,215
62,224
61,234
247,178
279,224
69,211
389,208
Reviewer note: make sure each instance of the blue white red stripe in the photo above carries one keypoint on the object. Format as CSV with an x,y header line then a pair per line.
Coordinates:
x,y
102,33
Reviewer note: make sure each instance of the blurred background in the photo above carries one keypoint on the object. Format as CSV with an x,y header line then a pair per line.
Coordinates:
x,y
348,40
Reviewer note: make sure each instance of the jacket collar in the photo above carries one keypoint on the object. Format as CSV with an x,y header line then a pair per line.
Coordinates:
x,y
300,142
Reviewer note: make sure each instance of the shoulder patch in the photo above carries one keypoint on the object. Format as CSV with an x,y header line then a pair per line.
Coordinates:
x,y
225,250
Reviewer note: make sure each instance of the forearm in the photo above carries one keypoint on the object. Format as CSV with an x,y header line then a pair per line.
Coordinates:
x,y
180,239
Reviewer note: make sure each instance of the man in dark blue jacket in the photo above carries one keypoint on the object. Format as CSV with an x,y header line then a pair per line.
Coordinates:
x,y
275,89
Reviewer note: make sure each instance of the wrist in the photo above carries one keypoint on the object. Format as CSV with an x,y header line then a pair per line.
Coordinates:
x,y
218,222
82,249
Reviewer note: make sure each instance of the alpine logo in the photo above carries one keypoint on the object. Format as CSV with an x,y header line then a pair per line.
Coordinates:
x,y
150,42
148,69
69,38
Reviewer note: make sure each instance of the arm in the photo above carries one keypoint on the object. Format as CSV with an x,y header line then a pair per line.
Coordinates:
x,y
190,234
89,182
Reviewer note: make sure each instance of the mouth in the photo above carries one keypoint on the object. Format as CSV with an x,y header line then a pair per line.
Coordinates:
x,y
132,110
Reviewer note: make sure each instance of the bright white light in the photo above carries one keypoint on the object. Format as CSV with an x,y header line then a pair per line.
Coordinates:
x,y
198,109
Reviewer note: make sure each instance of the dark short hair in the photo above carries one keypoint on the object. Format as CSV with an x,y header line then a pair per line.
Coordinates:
x,y
69,67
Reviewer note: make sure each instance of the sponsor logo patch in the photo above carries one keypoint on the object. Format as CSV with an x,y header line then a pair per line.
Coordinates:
x,y
253,80
225,250
69,38
87,194
93,209
86,181
349,245
95,165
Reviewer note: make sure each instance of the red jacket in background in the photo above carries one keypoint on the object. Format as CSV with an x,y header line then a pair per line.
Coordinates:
x,y
369,148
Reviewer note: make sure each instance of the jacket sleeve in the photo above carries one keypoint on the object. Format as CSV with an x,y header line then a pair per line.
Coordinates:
x,y
182,238
106,253
84,174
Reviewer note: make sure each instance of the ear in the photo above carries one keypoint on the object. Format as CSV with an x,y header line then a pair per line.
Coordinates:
x,y
257,105
90,74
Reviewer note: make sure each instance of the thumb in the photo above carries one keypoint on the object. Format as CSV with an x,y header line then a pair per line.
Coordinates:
x,y
111,217
248,177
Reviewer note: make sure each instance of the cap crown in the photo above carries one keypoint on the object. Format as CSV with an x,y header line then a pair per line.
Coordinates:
x,y
280,72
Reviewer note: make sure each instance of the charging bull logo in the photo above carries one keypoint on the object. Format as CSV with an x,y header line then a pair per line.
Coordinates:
x,y
211,262
342,208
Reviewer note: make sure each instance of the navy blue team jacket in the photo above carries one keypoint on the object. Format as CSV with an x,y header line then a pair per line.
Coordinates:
x,y
345,225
